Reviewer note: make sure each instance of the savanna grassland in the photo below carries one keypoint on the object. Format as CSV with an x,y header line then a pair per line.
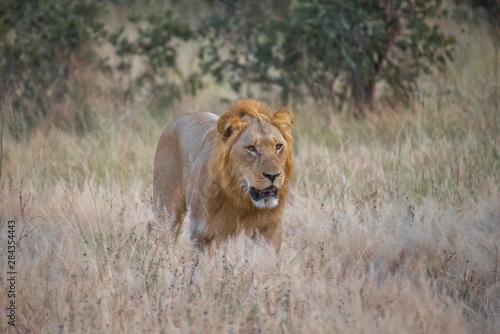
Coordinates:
x,y
393,225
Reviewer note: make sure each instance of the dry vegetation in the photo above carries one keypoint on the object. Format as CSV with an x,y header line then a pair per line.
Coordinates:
x,y
393,225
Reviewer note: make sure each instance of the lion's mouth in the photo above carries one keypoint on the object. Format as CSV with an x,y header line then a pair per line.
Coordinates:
x,y
257,194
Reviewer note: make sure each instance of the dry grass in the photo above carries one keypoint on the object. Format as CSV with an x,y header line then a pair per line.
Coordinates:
x,y
393,226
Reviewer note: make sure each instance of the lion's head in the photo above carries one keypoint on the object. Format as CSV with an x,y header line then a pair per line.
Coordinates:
x,y
256,153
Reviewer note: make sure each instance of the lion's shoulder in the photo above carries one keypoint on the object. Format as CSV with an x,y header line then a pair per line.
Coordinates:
x,y
204,120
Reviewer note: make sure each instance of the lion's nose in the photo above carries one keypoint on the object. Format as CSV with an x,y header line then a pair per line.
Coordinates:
x,y
272,177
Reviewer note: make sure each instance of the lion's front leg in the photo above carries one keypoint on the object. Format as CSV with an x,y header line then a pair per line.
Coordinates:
x,y
204,243
273,234
198,235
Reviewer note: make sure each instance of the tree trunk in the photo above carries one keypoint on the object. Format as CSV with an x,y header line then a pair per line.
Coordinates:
x,y
361,93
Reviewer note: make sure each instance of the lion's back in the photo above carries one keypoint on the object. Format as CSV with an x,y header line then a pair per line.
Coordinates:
x,y
191,130
178,147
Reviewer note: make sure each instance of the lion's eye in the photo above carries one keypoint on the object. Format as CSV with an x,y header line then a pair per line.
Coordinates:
x,y
251,148
279,146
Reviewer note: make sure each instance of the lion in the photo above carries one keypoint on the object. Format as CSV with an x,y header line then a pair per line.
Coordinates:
x,y
231,174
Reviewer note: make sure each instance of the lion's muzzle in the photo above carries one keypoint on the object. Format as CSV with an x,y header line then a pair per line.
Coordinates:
x,y
257,194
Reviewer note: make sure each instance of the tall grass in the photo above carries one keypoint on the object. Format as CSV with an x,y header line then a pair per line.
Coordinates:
x,y
393,224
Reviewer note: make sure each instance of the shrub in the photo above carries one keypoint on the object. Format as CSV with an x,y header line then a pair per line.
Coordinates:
x,y
45,46
39,45
156,44
328,48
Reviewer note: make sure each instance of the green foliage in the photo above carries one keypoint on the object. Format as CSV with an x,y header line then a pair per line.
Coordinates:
x,y
491,8
40,41
45,46
159,34
328,48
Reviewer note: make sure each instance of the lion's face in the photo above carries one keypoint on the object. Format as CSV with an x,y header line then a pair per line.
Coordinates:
x,y
259,156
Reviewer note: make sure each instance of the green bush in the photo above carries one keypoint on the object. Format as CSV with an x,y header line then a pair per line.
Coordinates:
x,y
161,81
40,41
45,46
326,48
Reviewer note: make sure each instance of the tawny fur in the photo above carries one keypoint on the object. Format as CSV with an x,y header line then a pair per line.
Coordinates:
x,y
203,166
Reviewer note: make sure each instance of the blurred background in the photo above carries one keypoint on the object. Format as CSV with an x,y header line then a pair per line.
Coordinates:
x,y
64,62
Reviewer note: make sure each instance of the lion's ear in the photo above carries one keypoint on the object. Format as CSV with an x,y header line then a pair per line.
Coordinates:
x,y
283,119
228,124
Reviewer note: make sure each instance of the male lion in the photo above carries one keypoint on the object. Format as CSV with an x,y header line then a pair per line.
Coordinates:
x,y
231,173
